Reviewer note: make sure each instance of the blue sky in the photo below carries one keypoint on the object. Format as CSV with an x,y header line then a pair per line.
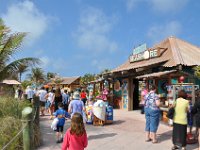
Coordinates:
x,y
74,37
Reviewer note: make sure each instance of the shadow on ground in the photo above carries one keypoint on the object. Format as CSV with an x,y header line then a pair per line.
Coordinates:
x,y
118,122
101,136
164,136
168,136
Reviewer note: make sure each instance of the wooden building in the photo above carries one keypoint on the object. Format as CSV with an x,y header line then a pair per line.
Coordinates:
x,y
162,64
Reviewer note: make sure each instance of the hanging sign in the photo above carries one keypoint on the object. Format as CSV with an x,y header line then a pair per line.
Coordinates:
x,y
147,54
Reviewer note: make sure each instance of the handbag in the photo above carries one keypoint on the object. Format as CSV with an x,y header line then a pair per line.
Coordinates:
x,y
170,113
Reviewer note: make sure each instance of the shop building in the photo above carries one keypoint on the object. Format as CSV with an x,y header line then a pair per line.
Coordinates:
x,y
164,65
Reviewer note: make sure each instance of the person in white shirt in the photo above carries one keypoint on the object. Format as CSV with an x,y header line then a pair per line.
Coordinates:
x,y
50,99
29,92
42,96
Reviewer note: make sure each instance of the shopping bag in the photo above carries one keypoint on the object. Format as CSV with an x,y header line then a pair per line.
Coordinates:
x,y
170,113
54,124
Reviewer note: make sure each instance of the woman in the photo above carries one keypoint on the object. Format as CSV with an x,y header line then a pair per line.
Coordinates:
x,y
152,114
57,99
181,107
196,110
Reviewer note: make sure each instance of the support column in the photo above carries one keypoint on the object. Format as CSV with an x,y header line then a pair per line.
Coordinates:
x,y
130,93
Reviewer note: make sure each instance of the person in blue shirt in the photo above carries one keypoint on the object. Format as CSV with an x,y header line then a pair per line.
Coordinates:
x,y
65,100
61,114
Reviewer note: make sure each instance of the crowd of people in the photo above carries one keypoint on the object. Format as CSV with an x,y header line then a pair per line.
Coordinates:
x,y
184,113
62,105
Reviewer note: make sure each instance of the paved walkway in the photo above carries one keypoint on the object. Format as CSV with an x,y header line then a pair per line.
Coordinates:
x,y
126,133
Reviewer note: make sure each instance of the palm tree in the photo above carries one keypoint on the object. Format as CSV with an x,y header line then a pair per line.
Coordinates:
x,y
9,45
36,75
21,70
87,78
50,75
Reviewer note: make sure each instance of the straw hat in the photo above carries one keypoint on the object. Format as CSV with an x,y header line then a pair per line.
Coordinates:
x,y
76,95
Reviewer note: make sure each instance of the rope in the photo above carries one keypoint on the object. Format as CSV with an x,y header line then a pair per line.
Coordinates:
x,y
14,138
19,131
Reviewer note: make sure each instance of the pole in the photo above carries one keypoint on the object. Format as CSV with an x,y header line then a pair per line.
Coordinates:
x,y
27,132
36,121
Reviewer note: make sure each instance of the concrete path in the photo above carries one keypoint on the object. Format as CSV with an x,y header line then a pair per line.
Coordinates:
x,y
126,133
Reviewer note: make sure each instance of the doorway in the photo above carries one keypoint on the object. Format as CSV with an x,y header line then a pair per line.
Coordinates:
x,y
135,94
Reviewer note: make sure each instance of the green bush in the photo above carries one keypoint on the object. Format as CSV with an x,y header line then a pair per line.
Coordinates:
x,y
10,121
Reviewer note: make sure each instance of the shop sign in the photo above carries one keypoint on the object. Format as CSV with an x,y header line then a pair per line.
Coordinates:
x,y
147,54
140,49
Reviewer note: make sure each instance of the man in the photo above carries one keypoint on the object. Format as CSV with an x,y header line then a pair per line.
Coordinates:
x,y
42,96
29,92
65,100
76,105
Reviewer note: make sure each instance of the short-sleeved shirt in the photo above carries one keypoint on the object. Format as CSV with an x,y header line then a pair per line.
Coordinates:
x,y
76,106
83,95
150,100
42,94
29,93
180,116
61,114
65,98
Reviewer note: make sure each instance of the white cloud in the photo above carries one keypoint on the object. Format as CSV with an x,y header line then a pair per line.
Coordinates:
x,y
93,31
159,32
45,61
131,4
164,6
168,5
25,17
59,65
102,64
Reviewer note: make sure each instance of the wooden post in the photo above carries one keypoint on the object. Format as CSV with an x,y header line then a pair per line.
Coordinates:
x,y
27,115
36,121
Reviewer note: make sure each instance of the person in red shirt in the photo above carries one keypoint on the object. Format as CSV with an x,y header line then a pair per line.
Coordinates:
x,y
76,136
83,96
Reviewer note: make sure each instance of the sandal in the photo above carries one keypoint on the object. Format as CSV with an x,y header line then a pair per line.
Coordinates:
x,y
175,147
154,142
148,140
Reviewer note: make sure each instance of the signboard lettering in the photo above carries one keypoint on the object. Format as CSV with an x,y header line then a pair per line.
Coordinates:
x,y
147,54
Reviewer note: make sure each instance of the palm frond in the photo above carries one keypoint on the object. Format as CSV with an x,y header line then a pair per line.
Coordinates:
x,y
10,46
14,66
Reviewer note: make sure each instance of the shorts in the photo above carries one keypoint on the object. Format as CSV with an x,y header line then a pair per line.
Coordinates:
x,y
152,119
42,104
59,129
47,104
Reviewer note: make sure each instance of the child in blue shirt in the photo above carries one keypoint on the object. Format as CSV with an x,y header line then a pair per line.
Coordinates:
x,y
61,114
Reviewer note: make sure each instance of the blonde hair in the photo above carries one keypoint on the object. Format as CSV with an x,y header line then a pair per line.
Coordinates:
x,y
77,125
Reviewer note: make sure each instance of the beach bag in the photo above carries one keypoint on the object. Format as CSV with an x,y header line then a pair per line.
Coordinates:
x,y
170,113
191,138
54,124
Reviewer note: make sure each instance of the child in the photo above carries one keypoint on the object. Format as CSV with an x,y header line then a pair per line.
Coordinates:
x,y
76,136
60,114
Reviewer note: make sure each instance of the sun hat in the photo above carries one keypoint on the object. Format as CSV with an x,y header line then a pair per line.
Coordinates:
x,y
76,95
